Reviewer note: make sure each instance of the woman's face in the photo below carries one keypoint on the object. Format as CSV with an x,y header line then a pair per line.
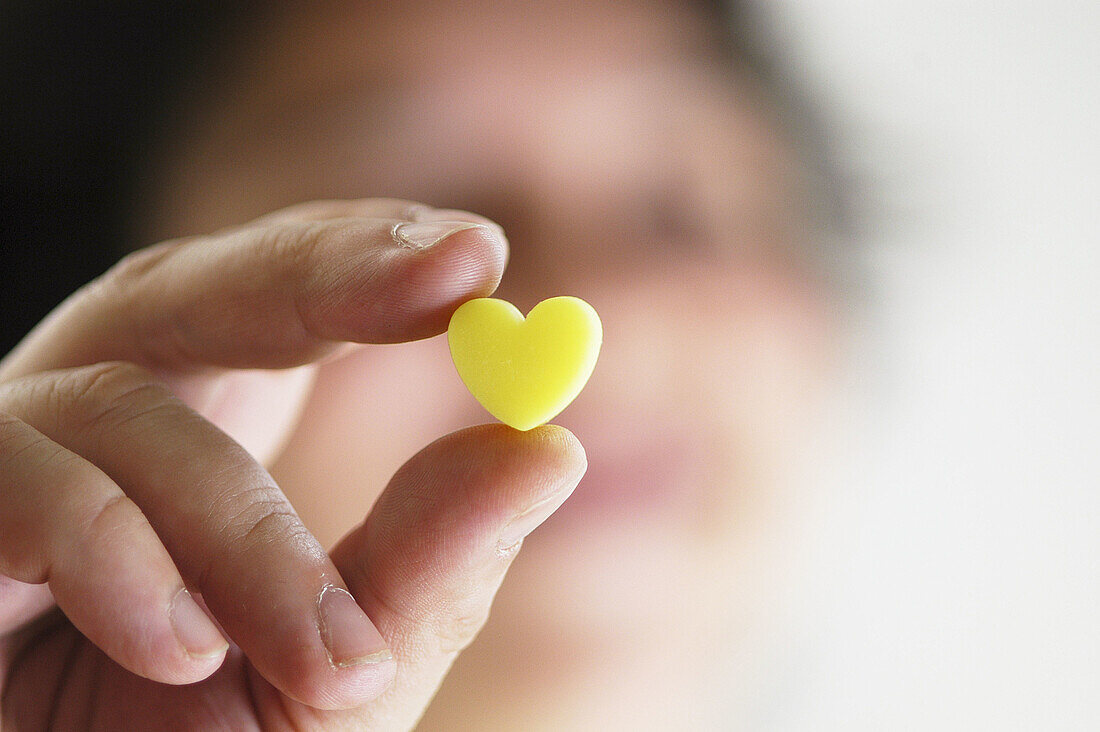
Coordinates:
x,y
628,167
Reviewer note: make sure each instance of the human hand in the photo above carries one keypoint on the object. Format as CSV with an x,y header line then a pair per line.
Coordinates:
x,y
119,493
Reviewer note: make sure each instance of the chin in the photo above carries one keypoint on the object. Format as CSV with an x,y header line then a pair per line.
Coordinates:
x,y
610,567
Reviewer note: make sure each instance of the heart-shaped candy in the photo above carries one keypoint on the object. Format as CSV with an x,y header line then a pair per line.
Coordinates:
x,y
525,371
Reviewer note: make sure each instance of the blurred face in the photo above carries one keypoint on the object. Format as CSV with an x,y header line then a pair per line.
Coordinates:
x,y
628,167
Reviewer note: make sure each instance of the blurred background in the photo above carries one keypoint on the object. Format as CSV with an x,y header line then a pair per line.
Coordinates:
x,y
960,568
946,524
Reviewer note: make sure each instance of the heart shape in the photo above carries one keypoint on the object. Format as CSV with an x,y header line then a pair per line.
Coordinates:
x,y
525,371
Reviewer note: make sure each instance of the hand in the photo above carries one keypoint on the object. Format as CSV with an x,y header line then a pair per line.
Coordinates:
x,y
152,574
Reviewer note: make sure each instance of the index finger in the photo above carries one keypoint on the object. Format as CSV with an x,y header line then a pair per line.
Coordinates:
x,y
281,292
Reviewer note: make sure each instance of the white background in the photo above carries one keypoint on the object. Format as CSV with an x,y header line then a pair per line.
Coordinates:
x,y
955,568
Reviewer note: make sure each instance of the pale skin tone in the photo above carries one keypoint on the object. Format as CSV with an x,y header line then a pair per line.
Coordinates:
x,y
115,407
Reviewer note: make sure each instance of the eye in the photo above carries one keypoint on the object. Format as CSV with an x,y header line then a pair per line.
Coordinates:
x,y
673,217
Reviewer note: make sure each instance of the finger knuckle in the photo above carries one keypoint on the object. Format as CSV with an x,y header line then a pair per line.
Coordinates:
x,y
456,631
278,524
18,441
293,251
134,267
123,285
66,492
90,397
13,434
109,519
305,210
291,246
257,527
438,626
104,522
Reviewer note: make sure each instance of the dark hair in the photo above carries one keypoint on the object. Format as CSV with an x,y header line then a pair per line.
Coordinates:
x,y
85,86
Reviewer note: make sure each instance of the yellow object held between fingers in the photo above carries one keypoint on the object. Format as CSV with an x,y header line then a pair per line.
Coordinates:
x,y
525,371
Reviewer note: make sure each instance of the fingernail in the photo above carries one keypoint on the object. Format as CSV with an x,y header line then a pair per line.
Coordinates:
x,y
427,213
195,631
529,520
348,634
424,234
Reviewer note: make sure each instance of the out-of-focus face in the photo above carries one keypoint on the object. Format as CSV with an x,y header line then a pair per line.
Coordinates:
x,y
628,167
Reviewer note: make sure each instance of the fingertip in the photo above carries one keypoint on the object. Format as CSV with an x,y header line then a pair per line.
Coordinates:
x,y
156,653
358,685
196,633
473,259
331,658
193,669
188,650
564,446
324,685
429,284
498,240
548,449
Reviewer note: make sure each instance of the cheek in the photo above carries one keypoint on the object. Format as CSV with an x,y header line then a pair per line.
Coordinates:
x,y
403,395
736,348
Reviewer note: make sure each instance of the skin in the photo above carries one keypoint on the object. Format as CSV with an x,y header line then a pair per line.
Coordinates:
x,y
628,167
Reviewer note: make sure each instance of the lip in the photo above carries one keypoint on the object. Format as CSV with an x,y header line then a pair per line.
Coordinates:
x,y
632,474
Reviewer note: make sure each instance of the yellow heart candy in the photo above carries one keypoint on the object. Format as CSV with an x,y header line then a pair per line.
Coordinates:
x,y
525,371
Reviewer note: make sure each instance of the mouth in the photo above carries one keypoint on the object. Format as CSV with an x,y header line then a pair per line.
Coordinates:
x,y
633,475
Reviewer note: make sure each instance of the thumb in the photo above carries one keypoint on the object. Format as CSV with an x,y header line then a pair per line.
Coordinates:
x,y
430,557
